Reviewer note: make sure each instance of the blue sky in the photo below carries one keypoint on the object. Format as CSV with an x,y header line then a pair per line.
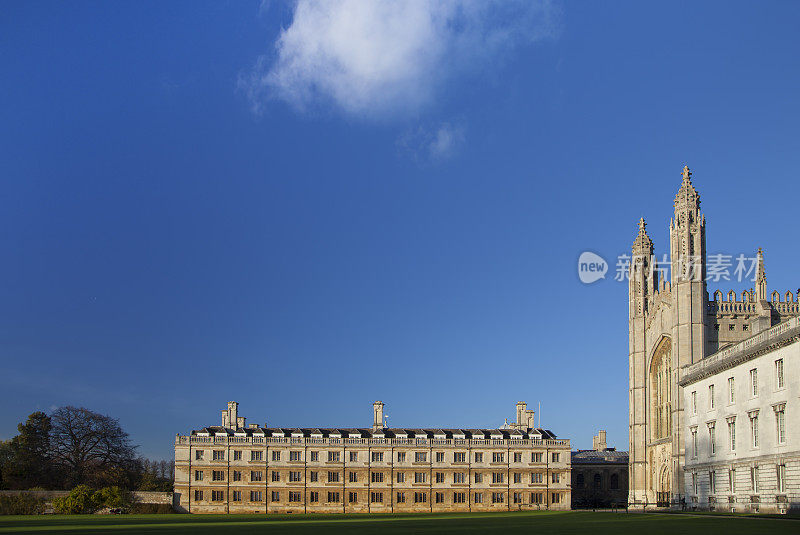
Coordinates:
x,y
309,207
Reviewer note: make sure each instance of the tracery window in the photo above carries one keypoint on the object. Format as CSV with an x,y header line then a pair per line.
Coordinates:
x,y
660,391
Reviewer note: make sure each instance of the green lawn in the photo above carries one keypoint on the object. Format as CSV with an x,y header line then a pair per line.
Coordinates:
x,y
545,522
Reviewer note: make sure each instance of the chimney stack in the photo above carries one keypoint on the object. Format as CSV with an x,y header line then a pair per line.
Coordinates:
x,y
377,412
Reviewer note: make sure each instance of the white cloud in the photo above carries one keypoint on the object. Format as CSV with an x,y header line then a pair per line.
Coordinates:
x,y
378,58
432,143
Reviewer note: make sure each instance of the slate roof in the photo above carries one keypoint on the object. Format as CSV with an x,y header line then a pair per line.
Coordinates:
x,y
479,434
599,457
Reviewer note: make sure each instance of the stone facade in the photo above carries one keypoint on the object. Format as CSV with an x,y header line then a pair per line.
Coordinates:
x,y
599,476
742,454
673,325
234,468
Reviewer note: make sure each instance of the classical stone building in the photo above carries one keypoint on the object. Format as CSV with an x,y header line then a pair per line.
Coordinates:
x,y
239,468
599,476
679,339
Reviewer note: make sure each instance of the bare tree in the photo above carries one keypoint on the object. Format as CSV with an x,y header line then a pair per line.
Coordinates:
x,y
89,446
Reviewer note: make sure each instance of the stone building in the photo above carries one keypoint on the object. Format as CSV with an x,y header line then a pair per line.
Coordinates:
x,y
677,335
239,468
599,476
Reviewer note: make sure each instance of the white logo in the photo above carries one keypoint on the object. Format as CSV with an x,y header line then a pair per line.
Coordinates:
x,y
591,267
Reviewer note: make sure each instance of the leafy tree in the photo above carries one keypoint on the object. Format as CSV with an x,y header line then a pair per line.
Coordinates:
x,y
114,497
91,448
26,461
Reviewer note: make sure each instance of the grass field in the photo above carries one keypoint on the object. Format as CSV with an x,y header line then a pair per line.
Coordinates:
x,y
525,522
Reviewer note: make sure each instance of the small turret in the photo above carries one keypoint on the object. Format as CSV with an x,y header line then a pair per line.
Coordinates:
x,y
761,277
377,413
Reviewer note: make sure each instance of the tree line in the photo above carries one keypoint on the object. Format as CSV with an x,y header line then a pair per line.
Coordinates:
x,y
76,446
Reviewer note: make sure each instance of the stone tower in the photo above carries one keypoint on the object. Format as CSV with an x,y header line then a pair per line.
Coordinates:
x,y
667,330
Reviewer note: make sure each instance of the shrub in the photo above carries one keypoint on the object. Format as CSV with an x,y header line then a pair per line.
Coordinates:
x,y
21,504
114,497
151,509
79,501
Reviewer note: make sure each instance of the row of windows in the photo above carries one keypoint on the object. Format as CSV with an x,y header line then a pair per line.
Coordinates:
x,y
779,411
598,481
755,480
375,456
753,387
378,497
376,477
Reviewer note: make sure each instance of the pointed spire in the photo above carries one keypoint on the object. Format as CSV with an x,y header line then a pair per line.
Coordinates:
x,y
642,245
687,196
761,277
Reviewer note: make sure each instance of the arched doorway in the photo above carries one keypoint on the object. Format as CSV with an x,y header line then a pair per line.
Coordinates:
x,y
664,494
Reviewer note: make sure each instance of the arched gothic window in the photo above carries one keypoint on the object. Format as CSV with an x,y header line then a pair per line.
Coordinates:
x,y
660,391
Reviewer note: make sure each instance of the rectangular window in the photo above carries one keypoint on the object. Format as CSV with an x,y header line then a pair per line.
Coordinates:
x,y
294,455
536,457
353,456
236,495
313,476
401,477
556,477
555,497
255,496
198,475
754,478
780,426
497,457
479,457
313,497
377,456
732,434
732,480
237,455
334,497
217,495
401,497
517,457
712,482
439,477
478,497
198,455
420,497
517,478
259,455
275,496
438,497
781,477
294,496
459,457
694,442
694,402
258,475
458,477
237,475
694,483
478,477
536,477
459,497
419,477
276,455
420,457
377,477
731,390
294,476
712,439
314,456
217,475
754,382
439,456
376,497
537,498
218,455
333,477
779,373
353,477
401,456
497,497
275,476
352,497
517,497
333,457
710,396
198,495
754,430
556,457
497,477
